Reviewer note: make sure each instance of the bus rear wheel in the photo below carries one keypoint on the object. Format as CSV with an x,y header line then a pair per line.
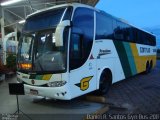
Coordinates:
x,y
105,82
149,67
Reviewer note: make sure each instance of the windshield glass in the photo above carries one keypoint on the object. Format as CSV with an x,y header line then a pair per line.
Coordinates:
x,y
26,45
44,20
37,52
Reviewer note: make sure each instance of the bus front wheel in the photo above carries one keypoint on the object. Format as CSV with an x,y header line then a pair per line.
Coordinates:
x,y
105,82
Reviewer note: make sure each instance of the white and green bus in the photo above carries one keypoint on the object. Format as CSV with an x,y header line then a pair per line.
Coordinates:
x,y
69,50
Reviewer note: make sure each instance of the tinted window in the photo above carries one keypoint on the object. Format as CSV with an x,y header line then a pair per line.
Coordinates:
x,y
142,37
81,36
76,51
119,31
104,27
145,39
131,34
43,20
84,19
123,32
135,35
76,47
151,40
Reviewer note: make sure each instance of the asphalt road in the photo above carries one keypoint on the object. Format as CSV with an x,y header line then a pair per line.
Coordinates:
x,y
137,95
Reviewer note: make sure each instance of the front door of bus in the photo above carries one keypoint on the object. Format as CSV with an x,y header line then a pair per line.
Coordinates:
x,y
82,67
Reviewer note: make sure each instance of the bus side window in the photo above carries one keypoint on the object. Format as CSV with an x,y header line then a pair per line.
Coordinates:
x,y
131,35
118,31
104,26
82,34
76,47
76,51
136,36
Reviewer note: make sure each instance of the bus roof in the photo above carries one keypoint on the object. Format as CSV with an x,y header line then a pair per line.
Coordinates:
x,y
87,6
62,5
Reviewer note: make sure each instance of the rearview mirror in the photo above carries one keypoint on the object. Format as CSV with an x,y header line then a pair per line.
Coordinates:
x,y
59,32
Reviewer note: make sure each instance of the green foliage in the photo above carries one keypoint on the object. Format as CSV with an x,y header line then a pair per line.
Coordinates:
x,y
11,62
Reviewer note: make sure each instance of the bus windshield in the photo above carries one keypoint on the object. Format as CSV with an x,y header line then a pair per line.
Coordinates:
x,y
38,53
37,50
44,20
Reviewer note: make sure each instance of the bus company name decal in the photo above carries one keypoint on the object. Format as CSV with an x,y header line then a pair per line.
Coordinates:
x,y
103,52
144,50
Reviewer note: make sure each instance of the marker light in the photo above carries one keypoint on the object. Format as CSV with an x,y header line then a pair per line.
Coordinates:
x,y
26,66
10,2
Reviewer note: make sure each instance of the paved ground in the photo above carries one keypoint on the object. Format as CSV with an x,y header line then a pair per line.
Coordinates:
x,y
138,94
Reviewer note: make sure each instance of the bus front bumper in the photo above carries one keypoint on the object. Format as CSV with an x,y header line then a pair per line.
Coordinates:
x,y
61,93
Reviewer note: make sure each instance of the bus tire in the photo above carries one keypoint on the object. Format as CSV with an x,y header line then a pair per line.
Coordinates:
x,y
150,66
105,82
147,67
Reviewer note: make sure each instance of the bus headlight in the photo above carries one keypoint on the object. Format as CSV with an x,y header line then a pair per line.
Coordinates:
x,y
57,83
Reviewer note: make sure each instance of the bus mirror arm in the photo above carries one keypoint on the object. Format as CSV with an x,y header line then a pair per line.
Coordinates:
x,y
59,31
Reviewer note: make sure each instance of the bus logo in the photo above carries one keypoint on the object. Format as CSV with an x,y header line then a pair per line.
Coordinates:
x,y
103,52
84,84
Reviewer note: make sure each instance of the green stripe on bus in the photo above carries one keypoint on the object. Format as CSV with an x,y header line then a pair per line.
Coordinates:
x,y
39,77
123,58
130,58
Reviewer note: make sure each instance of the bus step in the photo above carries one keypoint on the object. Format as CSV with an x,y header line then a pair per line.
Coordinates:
x,y
97,99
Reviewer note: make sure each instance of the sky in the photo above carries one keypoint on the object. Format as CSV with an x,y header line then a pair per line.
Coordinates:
x,y
141,13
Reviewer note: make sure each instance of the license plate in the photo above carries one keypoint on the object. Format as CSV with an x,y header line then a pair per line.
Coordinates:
x,y
33,92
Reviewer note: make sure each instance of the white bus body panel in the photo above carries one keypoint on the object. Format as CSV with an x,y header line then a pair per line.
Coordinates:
x,y
109,60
